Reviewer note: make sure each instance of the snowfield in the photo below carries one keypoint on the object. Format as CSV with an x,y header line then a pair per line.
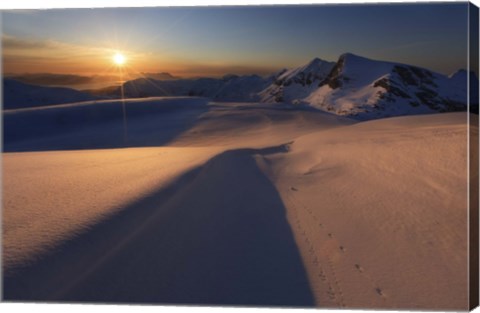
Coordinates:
x,y
379,211
18,95
235,203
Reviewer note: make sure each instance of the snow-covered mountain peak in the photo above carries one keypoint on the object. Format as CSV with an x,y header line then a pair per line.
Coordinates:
x,y
315,62
369,88
351,57
458,72
228,77
355,70
314,69
461,77
298,82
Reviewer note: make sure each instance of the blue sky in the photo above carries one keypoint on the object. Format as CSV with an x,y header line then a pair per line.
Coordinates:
x,y
216,40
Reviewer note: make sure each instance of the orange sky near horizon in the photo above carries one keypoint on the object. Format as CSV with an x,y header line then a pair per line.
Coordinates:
x,y
22,56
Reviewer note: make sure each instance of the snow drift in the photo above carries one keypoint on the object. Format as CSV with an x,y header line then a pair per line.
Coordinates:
x,y
100,124
18,95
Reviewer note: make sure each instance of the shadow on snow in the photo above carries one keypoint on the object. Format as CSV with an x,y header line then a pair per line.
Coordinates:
x,y
218,235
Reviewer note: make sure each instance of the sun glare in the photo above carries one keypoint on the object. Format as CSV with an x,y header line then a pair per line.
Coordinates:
x,y
119,59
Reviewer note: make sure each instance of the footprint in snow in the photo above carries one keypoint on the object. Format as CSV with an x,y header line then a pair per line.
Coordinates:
x,y
322,276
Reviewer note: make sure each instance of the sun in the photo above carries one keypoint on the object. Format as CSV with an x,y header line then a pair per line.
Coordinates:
x,y
119,59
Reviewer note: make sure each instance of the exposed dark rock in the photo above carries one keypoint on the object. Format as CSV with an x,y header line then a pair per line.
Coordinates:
x,y
425,76
386,84
405,74
333,78
453,106
428,97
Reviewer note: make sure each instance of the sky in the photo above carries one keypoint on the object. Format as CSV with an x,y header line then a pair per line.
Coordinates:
x,y
213,41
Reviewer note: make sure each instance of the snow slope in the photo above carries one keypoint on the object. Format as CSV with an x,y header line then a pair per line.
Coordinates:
x,y
379,211
370,89
462,79
99,124
78,189
366,89
21,95
315,210
297,83
151,228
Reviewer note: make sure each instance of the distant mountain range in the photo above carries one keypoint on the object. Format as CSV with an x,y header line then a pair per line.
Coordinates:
x,y
160,76
367,88
353,86
228,88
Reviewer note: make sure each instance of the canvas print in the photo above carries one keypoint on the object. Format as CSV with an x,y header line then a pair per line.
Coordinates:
x,y
321,156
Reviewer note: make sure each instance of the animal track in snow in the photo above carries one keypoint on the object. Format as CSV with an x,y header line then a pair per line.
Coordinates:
x,y
359,268
326,271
